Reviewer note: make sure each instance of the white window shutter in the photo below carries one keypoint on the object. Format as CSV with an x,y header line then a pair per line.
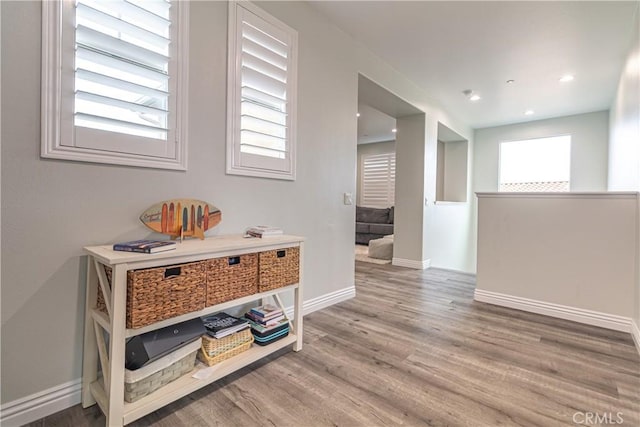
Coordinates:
x,y
262,85
122,82
378,180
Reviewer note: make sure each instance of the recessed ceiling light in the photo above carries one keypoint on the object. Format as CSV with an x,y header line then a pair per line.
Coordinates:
x,y
510,81
475,97
357,114
394,130
566,78
529,112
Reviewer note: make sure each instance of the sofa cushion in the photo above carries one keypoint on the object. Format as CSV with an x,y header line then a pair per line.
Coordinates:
x,y
362,227
372,215
391,214
381,229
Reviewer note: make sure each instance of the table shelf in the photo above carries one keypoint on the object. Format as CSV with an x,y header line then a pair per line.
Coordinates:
x,y
109,393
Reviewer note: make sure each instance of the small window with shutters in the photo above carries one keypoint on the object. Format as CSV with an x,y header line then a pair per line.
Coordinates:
x,y
114,82
261,112
378,183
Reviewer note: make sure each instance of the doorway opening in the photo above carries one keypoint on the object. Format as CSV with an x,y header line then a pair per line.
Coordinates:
x,y
377,170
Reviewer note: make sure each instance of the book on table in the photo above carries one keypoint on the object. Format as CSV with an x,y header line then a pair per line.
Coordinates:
x,y
266,311
265,322
259,328
263,231
220,325
145,246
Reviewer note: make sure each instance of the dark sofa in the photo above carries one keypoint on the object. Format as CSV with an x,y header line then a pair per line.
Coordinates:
x,y
373,223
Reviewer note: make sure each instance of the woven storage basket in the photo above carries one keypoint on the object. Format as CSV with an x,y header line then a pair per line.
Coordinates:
x,y
156,294
224,349
229,278
278,268
149,378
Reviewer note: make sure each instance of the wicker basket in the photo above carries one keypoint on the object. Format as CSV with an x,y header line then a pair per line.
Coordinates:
x,y
278,268
156,294
149,378
224,348
230,278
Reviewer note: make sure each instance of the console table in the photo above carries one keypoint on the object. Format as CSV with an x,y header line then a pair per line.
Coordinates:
x,y
108,389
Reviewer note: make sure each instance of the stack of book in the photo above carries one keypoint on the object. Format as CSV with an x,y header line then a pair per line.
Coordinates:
x,y
263,231
221,325
268,324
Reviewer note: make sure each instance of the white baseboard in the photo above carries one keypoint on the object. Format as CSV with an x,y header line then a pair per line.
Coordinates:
x,y
635,333
410,263
39,405
323,301
326,300
453,270
594,318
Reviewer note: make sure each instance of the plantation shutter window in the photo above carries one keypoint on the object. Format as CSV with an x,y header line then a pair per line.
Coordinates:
x,y
378,180
262,76
122,81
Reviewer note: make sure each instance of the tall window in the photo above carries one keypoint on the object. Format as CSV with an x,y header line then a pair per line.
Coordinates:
x,y
114,81
536,165
378,184
261,94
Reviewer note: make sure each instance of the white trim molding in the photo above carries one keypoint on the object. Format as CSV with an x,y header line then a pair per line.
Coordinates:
x,y
42,404
561,195
39,405
635,333
588,317
324,301
410,263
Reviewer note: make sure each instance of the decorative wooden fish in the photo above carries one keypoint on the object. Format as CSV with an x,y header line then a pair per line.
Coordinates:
x,y
181,217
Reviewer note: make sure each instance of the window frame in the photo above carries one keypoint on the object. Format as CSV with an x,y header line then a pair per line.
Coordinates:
x,y
252,164
499,172
58,132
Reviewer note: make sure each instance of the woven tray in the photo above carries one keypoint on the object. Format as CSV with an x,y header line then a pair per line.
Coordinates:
x,y
230,278
278,268
228,352
160,293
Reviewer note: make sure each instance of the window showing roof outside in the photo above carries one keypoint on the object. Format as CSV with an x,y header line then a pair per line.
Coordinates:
x,y
535,165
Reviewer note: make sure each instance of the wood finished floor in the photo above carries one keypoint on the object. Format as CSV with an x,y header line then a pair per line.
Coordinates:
x,y
414,349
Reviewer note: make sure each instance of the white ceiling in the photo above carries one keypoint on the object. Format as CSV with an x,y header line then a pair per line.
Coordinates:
x,y
374,125
448,47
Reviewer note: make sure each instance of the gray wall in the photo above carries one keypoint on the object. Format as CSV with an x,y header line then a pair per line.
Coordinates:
x,y
624,145
369,149
51,209
549,248
589,142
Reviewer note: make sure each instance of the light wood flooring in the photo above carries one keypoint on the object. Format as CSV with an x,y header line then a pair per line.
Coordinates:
x,y
414,349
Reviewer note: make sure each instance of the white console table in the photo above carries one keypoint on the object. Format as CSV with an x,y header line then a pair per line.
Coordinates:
x,y
108,390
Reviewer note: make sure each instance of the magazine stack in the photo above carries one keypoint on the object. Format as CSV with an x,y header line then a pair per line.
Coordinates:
x,y
268,324
226,337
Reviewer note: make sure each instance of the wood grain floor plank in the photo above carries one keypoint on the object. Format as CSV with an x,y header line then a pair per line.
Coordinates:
x,y
414,349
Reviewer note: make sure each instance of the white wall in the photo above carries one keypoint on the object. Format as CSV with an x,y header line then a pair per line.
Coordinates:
x,y
367,150
455,171
589,145
410,170
573,250
51,209
624,144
